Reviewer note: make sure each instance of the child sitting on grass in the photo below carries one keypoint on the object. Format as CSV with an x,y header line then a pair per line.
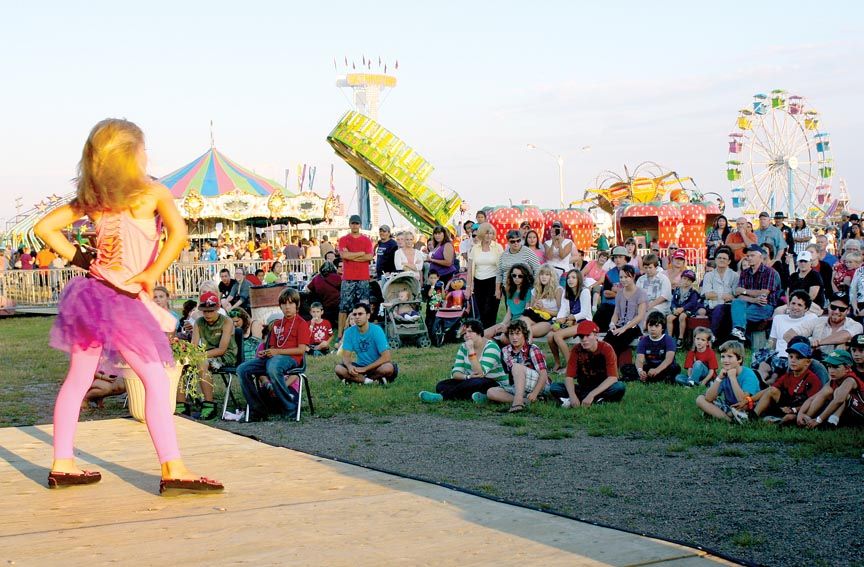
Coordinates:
x,y
734,383
655,353
685,303
701,363
320,329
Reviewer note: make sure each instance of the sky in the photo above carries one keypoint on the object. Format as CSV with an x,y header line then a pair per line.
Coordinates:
x,y
477,82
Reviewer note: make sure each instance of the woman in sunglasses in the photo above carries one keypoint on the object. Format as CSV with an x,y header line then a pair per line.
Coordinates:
x,y
515,253
518,292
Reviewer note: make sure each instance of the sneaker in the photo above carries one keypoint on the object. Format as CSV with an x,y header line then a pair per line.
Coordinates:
x,y
182,408
738,415
738,333
367,381
479,398
772,419
234,416
565,402
208,411
430,397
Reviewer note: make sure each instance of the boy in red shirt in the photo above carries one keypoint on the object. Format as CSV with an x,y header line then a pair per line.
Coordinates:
x,y
356,252
780,401
320,330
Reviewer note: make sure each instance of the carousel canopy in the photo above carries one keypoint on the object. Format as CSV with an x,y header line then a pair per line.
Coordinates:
x,y
214,175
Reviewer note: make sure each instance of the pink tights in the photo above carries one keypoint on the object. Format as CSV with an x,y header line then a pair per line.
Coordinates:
x,y
157,413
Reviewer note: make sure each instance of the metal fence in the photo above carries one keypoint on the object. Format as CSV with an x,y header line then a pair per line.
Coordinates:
x,y
183,280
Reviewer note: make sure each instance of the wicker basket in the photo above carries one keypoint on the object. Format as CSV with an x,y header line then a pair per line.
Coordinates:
x,y
266,296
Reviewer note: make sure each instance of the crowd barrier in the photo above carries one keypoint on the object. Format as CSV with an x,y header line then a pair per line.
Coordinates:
x,y
42,288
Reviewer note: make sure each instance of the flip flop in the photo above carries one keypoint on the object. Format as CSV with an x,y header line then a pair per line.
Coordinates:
x,y
57,479
516,409
180,486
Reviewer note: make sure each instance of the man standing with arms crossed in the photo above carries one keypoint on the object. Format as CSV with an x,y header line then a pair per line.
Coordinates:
x,y
356,252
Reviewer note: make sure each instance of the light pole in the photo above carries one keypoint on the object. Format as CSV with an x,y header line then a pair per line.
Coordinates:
x,y
559,159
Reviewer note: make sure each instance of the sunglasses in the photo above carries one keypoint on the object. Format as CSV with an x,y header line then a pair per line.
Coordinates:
x,y
833,307
517,276
234,313
515,240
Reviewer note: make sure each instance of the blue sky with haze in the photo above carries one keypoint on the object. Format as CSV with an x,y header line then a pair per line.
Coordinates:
x,y
636,81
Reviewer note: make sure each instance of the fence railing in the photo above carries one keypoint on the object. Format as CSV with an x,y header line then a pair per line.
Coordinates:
x,y
183,280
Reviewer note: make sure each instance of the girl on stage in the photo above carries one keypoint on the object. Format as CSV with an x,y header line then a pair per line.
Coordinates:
x,y
110,312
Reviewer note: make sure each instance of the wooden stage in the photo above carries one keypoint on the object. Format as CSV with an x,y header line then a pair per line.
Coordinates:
x,y
280,507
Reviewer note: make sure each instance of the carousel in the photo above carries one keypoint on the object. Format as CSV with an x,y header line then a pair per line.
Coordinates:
x,y
219,197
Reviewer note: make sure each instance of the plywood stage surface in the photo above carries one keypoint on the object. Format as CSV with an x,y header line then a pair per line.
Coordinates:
x,y
281,507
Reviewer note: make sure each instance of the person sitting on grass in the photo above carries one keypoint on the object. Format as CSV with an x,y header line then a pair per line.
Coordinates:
x,y
734,383
592,371
369,344
842,397
686,303
656,285
545,304
526,365
104,385
856,349
655,353
771,362
320,330
700,366
477,368
518,293
630,306
287,341
781,401
575,307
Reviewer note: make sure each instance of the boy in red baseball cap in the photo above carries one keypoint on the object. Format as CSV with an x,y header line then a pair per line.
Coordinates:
x,y
592,371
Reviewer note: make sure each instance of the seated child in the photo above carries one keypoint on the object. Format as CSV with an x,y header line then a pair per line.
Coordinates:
x,y
320,330
781,401
842,396
526,365
701,363
655,353
734,383
685,303
406,310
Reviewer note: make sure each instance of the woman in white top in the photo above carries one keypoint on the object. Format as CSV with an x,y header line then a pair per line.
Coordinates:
x,y
558,250
575,307
407,258
482,270
545,304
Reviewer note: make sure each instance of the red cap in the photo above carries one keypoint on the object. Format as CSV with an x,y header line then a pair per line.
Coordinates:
x,y
587,327
680,254
208,300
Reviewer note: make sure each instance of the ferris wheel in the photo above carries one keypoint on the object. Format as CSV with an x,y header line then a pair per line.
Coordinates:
x,y
779,158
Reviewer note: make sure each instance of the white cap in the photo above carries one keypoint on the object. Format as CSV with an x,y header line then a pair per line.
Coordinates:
x,y
805,256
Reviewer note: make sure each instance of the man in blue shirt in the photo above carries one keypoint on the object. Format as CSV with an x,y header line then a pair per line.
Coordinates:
x,y
385,253
771,234
369,344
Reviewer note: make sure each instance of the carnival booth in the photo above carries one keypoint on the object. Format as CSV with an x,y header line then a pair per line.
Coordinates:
x,y
576,224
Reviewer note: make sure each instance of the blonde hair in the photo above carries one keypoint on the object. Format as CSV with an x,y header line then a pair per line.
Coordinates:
x,y
484,228
550,290
110,173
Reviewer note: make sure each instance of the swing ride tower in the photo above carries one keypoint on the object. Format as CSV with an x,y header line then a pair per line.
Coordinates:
x,y
367,88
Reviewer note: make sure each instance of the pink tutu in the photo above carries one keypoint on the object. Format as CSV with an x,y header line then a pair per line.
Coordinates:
x,y
91,314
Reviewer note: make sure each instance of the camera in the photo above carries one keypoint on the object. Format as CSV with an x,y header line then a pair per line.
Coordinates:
x,y
556,231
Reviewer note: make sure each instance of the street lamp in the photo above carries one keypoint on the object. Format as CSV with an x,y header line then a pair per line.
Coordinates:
x,y
560,161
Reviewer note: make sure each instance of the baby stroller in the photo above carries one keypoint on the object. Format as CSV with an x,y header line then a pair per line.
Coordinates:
x,y
401,294
449,316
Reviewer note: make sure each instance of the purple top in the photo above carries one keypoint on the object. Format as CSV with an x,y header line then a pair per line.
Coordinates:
x,y
438,254
628,307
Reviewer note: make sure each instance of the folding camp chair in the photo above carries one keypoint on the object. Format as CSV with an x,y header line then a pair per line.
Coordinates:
x,y
227,373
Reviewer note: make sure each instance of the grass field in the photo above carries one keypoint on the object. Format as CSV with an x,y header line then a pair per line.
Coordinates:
x,y
32,373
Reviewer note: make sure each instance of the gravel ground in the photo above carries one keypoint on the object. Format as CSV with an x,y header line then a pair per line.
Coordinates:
x,y
751,502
